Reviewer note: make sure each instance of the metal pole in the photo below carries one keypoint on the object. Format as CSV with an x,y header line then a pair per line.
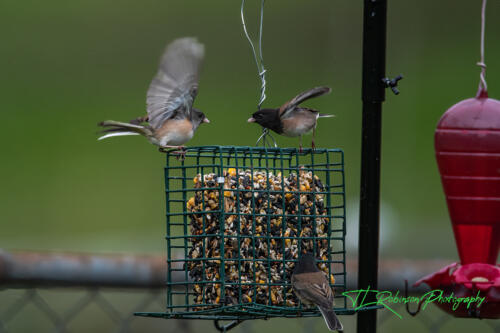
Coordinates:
x,y
373,91
60,269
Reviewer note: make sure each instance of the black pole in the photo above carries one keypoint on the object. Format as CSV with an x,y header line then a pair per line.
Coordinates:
x,y
373,91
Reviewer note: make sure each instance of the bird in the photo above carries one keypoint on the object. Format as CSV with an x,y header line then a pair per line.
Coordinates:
x,y
290,119
312,288
171,119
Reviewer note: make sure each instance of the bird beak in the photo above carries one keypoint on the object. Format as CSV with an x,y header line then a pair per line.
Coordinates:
x,y
205,120
251,120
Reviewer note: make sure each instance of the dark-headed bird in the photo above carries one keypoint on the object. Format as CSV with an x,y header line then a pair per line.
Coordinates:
x,y
312,288
291,119
171,119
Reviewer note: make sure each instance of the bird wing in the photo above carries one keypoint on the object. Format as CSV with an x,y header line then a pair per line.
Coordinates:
x,y
315,288
175,86
287,108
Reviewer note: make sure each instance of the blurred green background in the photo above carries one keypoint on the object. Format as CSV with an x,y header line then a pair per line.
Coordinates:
x,y
66,65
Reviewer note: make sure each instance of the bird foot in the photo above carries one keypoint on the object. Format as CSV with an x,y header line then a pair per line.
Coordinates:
x,y
176,150
181,154
313,146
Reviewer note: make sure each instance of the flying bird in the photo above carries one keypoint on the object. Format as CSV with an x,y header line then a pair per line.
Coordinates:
x,y
291,119
171,119
312,288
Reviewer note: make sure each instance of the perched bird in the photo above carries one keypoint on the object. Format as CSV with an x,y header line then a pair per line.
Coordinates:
x,y
311,287
171,118
290,119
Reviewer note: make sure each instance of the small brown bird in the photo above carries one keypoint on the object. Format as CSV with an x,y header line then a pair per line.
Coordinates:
x,y
171,118
290,119
311,287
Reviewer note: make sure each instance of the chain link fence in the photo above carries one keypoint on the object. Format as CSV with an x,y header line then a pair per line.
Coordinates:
x,y
82,293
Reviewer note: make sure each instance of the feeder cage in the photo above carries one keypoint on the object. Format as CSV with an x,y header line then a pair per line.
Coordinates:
x,y
237,219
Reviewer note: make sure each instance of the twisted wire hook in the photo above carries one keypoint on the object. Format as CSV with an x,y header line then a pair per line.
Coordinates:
x,y
259,61
261,70
482,76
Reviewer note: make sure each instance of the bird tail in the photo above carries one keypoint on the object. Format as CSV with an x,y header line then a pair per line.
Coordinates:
x,y
323,115
331,319
113,128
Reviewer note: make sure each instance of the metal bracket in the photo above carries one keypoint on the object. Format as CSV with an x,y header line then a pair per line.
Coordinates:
x,y
393,84
410,312
227,327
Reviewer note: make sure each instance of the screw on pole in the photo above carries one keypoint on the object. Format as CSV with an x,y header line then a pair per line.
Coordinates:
x,y
393,84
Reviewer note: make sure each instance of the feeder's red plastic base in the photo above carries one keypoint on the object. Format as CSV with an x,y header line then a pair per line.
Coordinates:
x,y
467,281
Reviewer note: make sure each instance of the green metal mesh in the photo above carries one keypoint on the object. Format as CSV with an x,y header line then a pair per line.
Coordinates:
x,y
258,207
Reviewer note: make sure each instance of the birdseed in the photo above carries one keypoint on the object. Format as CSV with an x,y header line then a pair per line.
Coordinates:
x,y
263,234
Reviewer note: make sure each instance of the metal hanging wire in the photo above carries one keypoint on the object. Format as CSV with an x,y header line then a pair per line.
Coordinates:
x,y
264,137
259,61
261,70
483,87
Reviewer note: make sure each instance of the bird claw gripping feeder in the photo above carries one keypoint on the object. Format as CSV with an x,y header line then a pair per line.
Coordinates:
x,y
237,219
467,143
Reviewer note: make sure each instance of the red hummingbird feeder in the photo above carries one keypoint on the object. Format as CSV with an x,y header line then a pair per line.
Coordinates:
x,y
467,144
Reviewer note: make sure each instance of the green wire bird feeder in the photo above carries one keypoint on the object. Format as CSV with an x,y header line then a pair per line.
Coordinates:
x,y
237,219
